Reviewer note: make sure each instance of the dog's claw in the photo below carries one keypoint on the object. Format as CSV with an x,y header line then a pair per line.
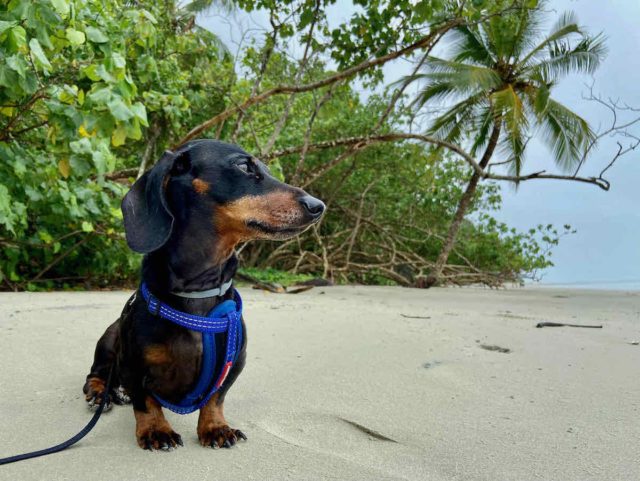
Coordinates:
x,y
221,437
159,439
94,403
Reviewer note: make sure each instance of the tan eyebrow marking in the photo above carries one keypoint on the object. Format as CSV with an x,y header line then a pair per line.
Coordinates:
x,y
200,186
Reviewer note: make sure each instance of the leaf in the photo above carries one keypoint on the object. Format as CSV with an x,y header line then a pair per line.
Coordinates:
x,y
17,38
99,161
119,135
118,60
18,64
102,73
95,35
61,6
64,167
119,110
101,96
140,113
147,14
82,146
38,53
87,226
83,132
76,37
133,130
6,25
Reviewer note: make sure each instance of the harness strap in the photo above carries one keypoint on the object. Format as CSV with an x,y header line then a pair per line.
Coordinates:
x,y
225,317
190,321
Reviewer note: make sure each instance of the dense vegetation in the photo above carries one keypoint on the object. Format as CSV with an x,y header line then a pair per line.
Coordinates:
x,y
92,92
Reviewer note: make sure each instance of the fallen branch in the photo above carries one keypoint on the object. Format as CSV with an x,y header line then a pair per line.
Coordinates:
x,y
558,324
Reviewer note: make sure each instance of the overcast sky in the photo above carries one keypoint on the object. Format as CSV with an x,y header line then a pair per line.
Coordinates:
x,y
606,249
607,244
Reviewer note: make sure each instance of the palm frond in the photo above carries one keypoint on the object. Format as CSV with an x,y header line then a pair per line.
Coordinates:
x,y
436,90
564,27
585,57
213,39
200,6
444,79
451,125
469,46
513,146
527,31
508,106
565,132
472,77
484,121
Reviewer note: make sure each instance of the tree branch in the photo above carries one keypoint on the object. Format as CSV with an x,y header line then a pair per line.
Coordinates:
x,y
366,141
422,43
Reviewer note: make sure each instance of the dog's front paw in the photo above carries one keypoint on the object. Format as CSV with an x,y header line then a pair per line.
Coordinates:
x,y
155,438
95,392
220,436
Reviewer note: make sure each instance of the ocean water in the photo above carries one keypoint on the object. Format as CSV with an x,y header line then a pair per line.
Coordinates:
x,y
620,285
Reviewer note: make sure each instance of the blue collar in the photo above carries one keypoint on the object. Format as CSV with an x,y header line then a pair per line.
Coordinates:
x,y
217,321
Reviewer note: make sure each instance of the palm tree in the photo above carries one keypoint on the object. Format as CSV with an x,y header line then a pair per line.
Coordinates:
x,y
499,77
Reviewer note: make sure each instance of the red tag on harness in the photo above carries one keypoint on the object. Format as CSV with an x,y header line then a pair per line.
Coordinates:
x,y
223,376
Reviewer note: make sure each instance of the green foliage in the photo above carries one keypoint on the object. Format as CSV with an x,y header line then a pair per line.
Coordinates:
x,y
85,87
270,274
88,88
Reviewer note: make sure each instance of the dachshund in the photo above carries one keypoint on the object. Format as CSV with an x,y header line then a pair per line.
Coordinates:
x,y
186,215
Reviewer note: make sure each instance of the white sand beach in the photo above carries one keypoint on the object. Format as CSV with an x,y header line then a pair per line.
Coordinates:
x,y
340,385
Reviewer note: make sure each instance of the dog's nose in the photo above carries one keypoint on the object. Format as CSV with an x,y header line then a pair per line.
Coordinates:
x,y
312,206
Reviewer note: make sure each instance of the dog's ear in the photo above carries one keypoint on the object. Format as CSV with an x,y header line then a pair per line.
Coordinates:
x,y
148,222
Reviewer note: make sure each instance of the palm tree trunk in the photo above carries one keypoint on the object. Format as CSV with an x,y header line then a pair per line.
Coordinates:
x,y
456,222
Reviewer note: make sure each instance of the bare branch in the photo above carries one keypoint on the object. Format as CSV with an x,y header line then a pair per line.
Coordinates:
x,y
307,134
303,63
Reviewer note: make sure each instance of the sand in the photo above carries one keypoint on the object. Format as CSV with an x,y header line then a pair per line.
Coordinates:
x,y
339,385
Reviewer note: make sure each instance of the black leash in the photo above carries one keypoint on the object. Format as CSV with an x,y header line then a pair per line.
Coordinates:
x,y
69,442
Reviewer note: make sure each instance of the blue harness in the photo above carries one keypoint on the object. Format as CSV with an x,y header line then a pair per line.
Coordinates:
x,y
225,317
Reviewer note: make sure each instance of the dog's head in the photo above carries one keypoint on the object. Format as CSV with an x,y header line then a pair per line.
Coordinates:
x,y
219,188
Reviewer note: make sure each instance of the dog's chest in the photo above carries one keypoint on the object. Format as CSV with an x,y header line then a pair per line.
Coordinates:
x,y
177,364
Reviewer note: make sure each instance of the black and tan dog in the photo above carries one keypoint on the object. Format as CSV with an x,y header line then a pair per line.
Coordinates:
x,y
187,214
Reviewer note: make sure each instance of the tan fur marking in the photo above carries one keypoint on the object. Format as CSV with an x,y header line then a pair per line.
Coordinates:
x,y
95,387
211,417
278,209
201,186
152,420
157,354
211,414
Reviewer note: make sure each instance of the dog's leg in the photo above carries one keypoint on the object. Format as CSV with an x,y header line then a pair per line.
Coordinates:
x,y
103,360
153,430
213,430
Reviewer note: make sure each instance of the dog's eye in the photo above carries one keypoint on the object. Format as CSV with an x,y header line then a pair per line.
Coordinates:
x,y
244,167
